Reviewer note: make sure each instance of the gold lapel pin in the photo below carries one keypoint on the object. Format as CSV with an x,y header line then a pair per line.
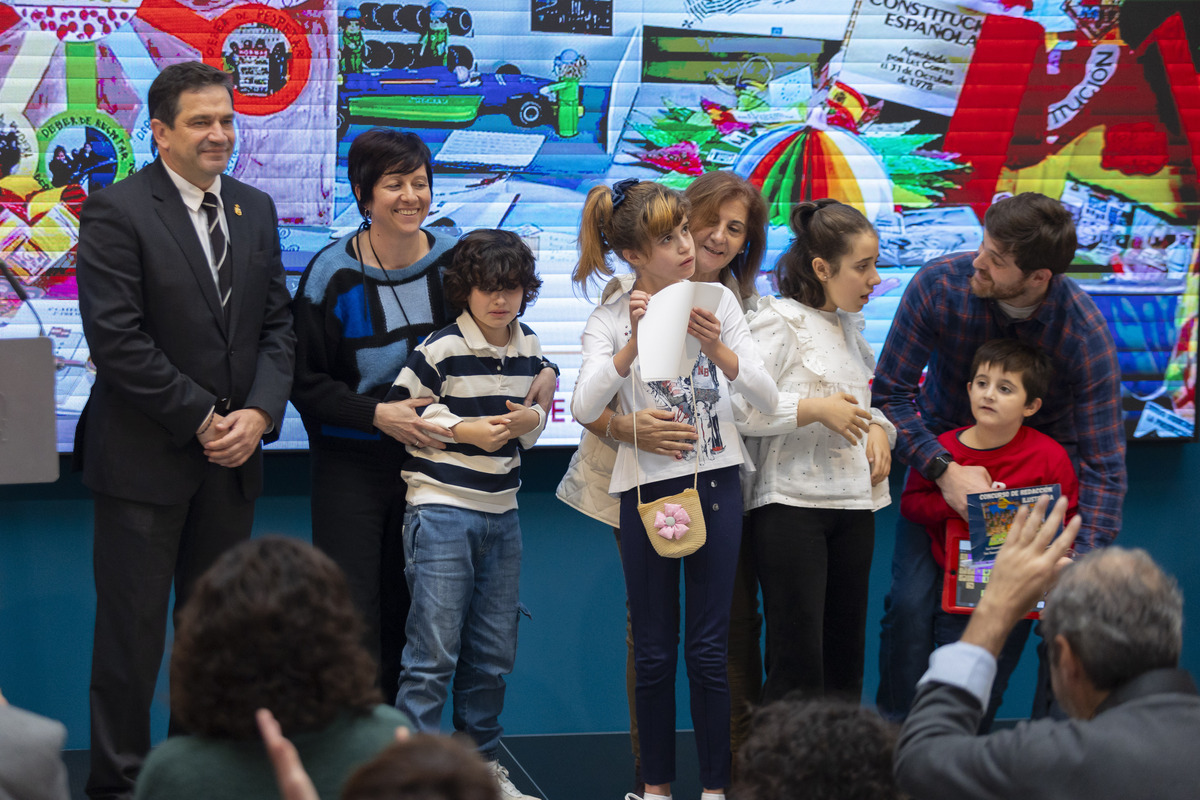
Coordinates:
x,y
237,209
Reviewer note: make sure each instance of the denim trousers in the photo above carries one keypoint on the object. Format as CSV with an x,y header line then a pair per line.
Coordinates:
x,y
463,570
914,624
652,586
948,628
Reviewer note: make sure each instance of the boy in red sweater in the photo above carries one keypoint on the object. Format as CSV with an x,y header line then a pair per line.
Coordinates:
x,y
1010,379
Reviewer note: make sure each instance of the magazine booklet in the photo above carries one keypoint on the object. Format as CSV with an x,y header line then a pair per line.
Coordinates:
x,y
971,547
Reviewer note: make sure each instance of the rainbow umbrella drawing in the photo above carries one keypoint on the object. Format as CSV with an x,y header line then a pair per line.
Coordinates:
x,y
807,162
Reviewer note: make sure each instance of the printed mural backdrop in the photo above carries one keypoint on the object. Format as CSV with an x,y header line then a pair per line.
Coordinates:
x,y
918,112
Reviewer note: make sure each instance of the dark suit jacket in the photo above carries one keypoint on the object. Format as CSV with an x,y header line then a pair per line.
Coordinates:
x,y
1141,743
163,353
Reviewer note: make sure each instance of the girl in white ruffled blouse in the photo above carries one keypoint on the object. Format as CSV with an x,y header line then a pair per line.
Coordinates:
x,y
823,456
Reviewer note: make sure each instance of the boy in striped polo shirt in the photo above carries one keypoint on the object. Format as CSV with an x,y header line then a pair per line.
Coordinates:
x,y
462,538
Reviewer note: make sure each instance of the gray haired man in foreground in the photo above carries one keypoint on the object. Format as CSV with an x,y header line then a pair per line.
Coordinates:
x,y
1113,622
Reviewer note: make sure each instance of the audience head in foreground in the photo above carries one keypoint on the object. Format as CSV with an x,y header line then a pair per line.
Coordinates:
x,y
270,625
817,750
423,767
1111,618
1114,627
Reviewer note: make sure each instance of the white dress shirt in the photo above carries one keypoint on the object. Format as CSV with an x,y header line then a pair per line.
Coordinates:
x,y
967,666
193,196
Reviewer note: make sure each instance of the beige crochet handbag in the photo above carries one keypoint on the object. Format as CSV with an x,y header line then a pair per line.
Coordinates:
x,y
675,524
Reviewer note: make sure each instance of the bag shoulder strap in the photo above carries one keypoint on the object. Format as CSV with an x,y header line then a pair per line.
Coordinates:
x,y
695,417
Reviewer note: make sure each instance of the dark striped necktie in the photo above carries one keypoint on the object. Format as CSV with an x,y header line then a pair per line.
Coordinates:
x,y
220,250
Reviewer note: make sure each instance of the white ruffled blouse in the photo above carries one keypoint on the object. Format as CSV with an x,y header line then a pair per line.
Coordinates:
x,y
810,353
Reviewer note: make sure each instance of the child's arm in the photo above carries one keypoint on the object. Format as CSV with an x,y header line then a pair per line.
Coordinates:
x,y
420,379
839,412
487,433
526,423
598,378
879,454
623,359
705,326
747,375
878,419
881,439
770,333
922,502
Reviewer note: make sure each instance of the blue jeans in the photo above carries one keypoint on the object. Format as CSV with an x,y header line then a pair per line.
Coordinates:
x,y
948,628
463,569
914,624
906,631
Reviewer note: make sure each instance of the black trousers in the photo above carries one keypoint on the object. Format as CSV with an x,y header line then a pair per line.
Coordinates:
x,y
139,551
814,565
652,587
358,521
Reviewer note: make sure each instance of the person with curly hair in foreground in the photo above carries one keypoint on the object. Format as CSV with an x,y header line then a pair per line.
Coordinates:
x,y
818,750
421,767
271,624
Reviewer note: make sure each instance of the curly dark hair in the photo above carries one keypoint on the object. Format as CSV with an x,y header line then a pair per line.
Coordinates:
x,y
270,625
818,750
490,260
423,767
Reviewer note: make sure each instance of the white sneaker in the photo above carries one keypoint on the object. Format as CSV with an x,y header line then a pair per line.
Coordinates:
x,y
507,790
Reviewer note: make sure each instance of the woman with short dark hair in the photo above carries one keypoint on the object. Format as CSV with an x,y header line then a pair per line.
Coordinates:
x,y
363,304
270,624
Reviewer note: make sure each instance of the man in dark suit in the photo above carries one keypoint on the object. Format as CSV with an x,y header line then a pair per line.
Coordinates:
x,y
185,309
1113,626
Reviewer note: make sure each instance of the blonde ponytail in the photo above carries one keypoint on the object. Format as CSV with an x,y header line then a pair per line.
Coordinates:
x,y
643,212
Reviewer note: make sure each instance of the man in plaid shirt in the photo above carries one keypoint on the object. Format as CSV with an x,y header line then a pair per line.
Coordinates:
x,y
1012,288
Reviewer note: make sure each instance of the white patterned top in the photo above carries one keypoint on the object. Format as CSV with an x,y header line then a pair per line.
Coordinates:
x,y
810,353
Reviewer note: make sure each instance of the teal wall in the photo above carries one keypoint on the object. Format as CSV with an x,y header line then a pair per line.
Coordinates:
x,y
569,676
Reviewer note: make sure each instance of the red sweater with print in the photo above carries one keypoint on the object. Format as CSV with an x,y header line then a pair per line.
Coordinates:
x,y
1030,459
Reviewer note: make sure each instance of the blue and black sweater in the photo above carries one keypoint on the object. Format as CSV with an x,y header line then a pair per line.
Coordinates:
x,y
355,328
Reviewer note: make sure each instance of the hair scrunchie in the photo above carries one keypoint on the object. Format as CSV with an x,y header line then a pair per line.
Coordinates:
x,y
620,188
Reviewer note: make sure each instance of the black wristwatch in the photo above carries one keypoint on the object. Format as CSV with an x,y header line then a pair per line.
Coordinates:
x,y
938,466
548,364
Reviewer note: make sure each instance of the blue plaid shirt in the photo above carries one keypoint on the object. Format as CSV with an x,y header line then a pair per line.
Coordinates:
x,y
940,324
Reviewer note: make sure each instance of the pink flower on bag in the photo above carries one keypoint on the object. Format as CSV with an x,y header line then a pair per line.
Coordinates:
x,y
672,522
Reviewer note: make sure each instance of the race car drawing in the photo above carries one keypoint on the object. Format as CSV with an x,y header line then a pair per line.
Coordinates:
x,y
443,97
